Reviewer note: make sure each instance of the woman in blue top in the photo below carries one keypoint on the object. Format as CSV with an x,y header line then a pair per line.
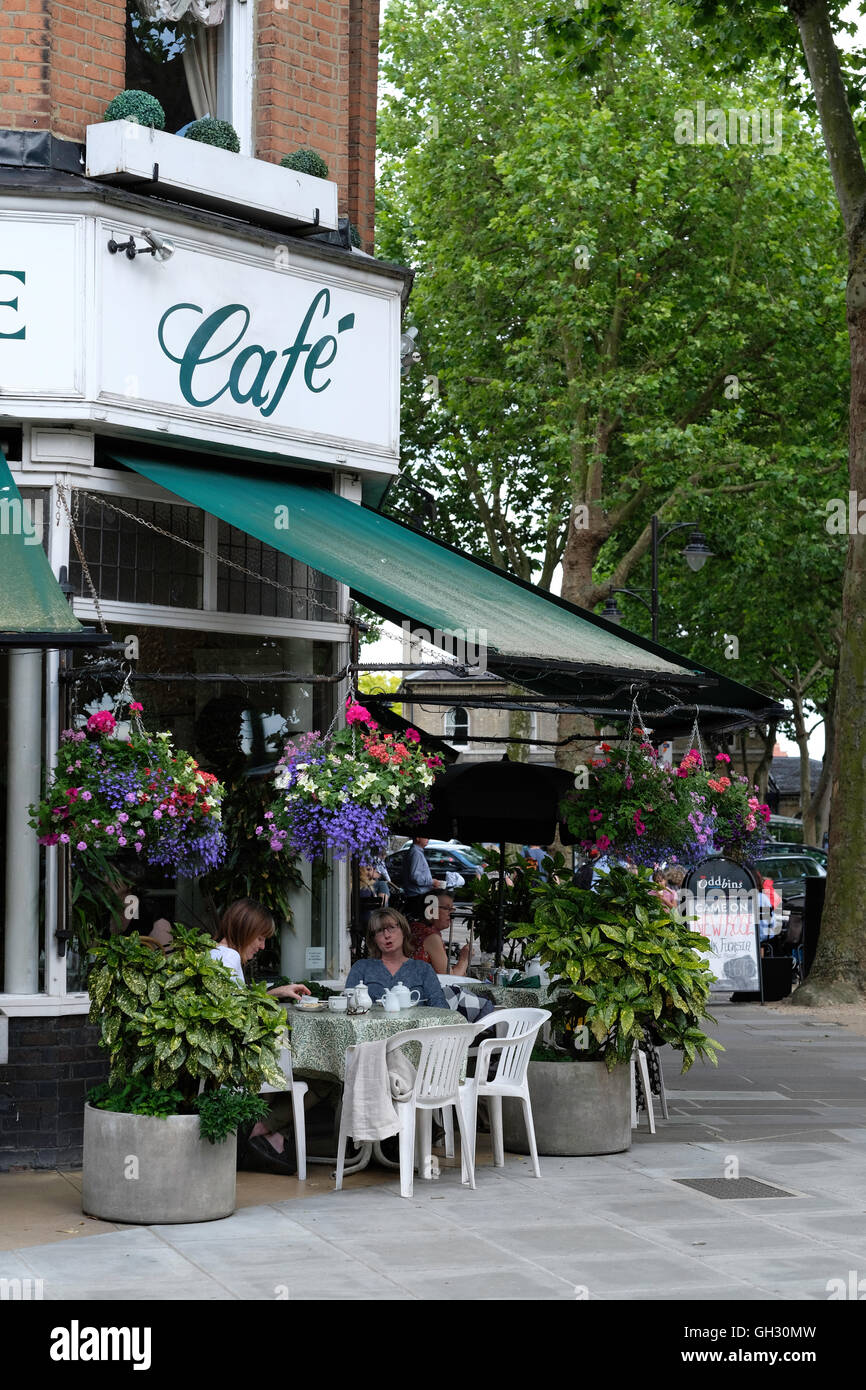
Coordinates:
x,y
389,942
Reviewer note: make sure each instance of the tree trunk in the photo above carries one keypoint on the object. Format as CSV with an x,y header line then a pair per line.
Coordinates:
x,y
839,971
802,737
762,771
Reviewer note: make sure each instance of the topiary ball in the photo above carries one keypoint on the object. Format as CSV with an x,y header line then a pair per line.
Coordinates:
x,y
306,162
210,131
136,106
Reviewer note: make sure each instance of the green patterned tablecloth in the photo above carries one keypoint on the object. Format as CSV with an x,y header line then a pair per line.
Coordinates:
x,y
319,1040
506,998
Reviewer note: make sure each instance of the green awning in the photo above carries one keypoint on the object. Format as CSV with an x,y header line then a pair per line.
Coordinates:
x,y
33,609
529,636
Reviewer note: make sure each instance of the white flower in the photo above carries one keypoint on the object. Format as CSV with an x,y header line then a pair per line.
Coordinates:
x,y
281,781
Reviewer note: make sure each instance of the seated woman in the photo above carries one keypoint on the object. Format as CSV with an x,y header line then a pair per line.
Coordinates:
x,y
244,928
389,941
427,943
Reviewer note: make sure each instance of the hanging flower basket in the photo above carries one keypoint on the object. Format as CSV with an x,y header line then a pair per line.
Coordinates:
x,y
336,795
640,809
112,797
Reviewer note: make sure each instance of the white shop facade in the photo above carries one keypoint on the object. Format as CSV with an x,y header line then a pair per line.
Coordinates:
x,y
240,352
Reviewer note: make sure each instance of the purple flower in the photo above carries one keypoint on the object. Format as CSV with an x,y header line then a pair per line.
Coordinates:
x,y
82,844
64,839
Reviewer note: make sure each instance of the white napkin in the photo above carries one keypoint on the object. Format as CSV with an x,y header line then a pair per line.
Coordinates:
x,y
372,1088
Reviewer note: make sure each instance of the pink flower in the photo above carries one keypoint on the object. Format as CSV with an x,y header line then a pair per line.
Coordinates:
x,y
411,734
135,707
356,714
120,840
86,796
753,803
259,829
102,722
157,815
595,815
722,758
82,844
64,839
603,844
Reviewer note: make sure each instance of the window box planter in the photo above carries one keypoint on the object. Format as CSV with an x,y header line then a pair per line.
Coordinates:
x,y
124,152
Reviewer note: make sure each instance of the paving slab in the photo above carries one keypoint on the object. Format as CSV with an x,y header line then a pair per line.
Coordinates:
x,y
788,1103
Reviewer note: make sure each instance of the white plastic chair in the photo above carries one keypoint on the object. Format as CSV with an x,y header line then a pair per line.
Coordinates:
x,y
516,1031
298,1090
638,1060
437,1087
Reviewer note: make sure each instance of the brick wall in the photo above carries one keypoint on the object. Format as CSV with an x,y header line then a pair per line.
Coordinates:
x,y
53,1062
363,78
61,62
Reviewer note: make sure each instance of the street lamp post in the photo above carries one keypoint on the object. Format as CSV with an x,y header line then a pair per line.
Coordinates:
x,y
696,554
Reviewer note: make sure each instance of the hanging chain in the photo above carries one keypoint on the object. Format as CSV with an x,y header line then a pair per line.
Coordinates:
x,y
628,737
85,568
695,737
199,550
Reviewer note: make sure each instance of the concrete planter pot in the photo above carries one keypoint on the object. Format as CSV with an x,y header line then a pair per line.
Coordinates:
x,y
579,1108
140,1169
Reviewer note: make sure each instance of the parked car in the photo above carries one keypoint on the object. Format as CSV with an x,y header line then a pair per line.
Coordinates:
x,y
790,847
789,872
443,857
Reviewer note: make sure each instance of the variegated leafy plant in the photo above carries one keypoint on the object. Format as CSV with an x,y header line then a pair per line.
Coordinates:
x,y
620,962
175,1021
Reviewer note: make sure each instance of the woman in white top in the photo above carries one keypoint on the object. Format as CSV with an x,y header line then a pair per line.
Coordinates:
x,y
244,928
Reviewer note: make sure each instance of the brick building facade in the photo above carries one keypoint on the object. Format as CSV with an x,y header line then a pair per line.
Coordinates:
x,y
310,78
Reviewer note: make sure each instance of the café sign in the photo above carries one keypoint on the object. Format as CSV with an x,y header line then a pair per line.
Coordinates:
x,y
224,341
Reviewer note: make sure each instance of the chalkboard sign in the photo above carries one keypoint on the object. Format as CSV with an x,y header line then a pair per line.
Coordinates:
x,y
724,898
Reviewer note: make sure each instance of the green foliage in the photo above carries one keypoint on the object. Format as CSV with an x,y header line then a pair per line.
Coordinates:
x,y
620,962
306,162
140,107
223,1112
136,1097
523,881
210,131
249,869
586,290
179,1020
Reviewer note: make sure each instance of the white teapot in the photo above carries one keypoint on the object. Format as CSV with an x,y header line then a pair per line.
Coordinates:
x,y
362,998
405,995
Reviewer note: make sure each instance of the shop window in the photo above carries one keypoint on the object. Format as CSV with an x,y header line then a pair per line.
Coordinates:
x,y
233,710
305,594
129,562
457,725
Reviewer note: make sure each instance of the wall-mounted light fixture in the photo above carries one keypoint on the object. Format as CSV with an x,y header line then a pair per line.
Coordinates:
x,y
158,248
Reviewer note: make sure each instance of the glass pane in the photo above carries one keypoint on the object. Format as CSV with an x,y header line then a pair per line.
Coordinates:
x,y
131,563
154,64
304,593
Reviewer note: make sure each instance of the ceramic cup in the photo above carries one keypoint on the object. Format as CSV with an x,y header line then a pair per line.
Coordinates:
x,y
338,1004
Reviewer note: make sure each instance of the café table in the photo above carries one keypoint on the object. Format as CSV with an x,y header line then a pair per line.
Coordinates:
x,y
320,1039
506,997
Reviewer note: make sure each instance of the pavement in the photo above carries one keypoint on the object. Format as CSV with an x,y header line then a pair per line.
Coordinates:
x,y
786,1107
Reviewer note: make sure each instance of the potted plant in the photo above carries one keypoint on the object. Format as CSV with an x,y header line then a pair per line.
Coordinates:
x,y
306,161
638,808
113,799
210,131
189,1052
620,963
336,794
